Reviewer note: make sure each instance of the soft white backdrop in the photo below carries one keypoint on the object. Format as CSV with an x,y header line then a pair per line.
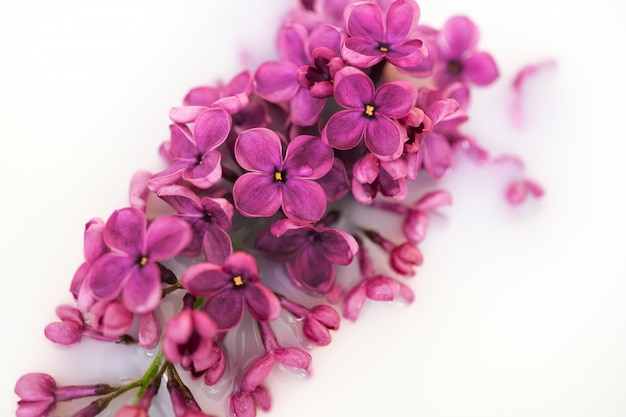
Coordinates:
x,y
519,311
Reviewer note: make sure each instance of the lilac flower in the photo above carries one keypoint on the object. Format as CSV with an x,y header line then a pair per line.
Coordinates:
x,y
277,82
209,218
230,288
517,191
39,393
189,339
193,156
131,268
274,182
372,286
111,318
369,115
310,251
403,258
274,354
460,61
232,97
183,402
244,403
370,175
72,328
317,321
319,77
375,35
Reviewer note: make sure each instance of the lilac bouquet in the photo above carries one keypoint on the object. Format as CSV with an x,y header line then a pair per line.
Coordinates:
x,y
250,220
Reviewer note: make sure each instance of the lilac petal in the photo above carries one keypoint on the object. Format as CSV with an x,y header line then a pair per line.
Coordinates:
x,y
312,269
396,169
460,34
406,292
382,288
138,192
481,69
64,333
306,109
71,314
149,330
441,108
308,157
383,138
433,200
290,42
242,404
407,55
211,129
240,84
142,292
276,81
366,169
258,372
316,332
201,97
182,199
437,154
364,193
353,89
361,52
326,315
335,182
259,149
344,129
186,114
339,246
233,104
225,308
108,274
257,195
182,143
216,371
397,189
169,176
415,226
262,398
205,279
395,99
217,246
293,357
125,231
262,303
35,387
366,21
353,302
94,245
402,17
205,173
166,237
326,36
303,200
281,248
34,409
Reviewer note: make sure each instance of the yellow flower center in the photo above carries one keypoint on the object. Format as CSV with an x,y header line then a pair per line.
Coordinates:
x,y
238,280
383,49
278,176
143,261
369,110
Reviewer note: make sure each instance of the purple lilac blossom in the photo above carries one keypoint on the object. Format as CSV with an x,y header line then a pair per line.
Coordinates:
x,y
369,114
130,269
376,35
274,182
230,288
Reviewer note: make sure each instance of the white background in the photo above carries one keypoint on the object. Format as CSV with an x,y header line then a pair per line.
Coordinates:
x,y
519,311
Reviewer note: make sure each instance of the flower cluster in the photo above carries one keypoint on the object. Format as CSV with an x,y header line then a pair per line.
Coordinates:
x,y
261,174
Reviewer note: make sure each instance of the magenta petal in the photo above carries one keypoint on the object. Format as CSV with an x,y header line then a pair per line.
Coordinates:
x,y
326,36
108,274
276,81
312,269
339,246
353,89
242,404
383,138
308,157
125,230
290,42
306,109
142,292
353,302
366,169
402,17
262,303
94,245
182,143
69,313
205,279
225,308
35,387
217,245
460,34
182,199
303,200
415,226
186,114
64,333
211,129
257,195
316,332
262,398
365,20
293,357
361,52
407,55
395,99
259,149
480,68
437,154
149,330
34,409
258,372
207,173
433,200
201,97
344,129
166,237
382,288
